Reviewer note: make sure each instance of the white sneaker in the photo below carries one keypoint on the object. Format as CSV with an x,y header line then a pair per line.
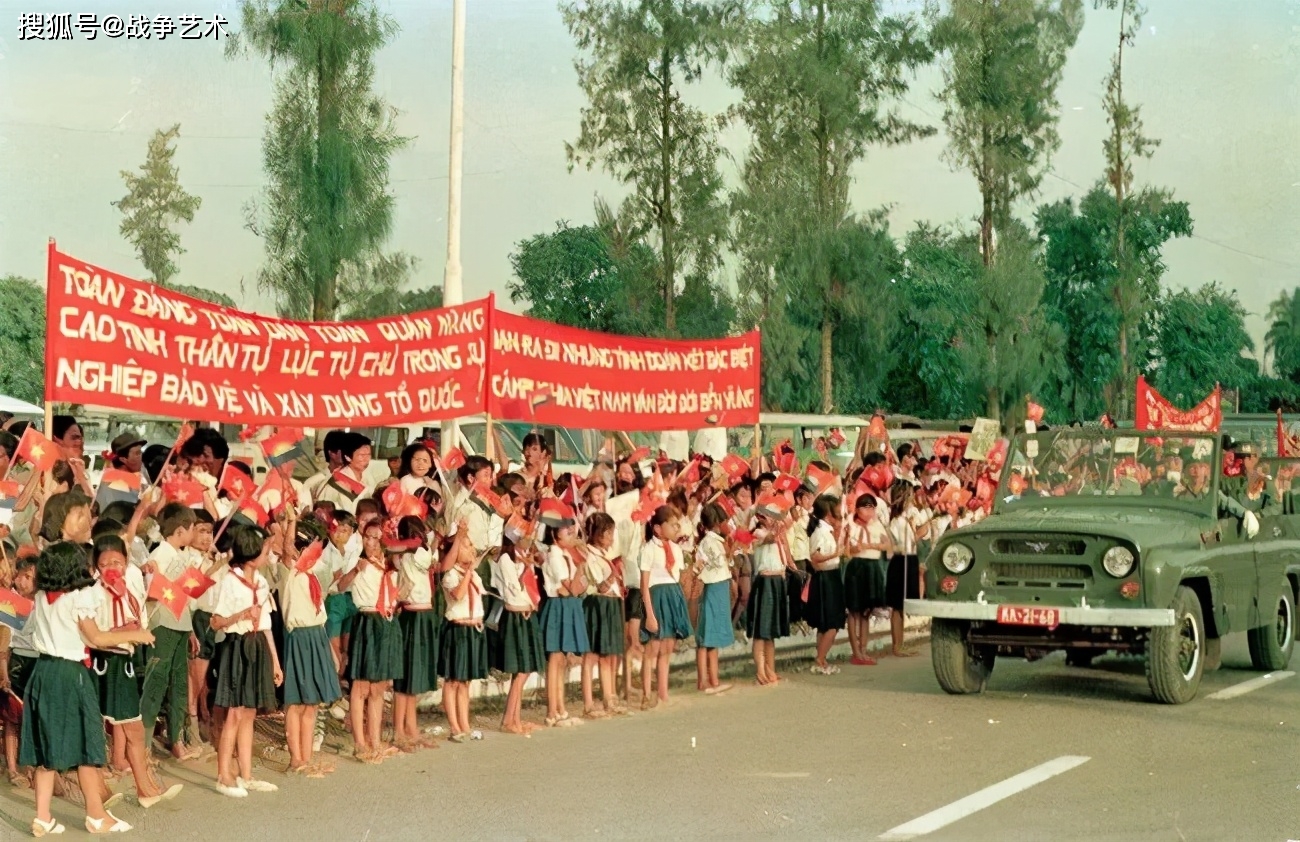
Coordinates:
x,y
255,785
235,791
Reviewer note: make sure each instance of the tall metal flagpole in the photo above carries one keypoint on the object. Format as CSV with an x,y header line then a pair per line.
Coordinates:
x,y
452,293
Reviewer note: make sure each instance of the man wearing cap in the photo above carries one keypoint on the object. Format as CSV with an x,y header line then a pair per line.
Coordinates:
x,y
127,454
1239,487
1196,486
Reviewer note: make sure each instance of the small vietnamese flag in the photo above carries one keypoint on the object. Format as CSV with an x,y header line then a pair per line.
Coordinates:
x,y
786,483
9,488
169,594
453,460
116,485
735,467
835,438
14,608
691,475
182,489
637,455
727,505
645,510
36,450
236,483
743,537
283,446
785,458
538,397
518,529
194,582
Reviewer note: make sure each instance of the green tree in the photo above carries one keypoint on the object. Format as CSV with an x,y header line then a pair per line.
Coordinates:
x,y
637,59
377,288
932,376
1002,62
328,210
22,339
1082,273
819,81
1202,341
1282,341
154,203
1131,289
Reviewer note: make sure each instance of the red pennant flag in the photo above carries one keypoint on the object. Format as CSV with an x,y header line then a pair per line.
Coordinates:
x,y
283,446
743,537
194,582
36,450
735,467
346,484
182,489
168,594
14,608
237,484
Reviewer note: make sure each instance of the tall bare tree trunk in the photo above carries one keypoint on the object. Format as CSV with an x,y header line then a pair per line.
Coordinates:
x,y
828,379
666,199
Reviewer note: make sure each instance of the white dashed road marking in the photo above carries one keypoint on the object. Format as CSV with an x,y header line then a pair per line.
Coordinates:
x,y
1249,686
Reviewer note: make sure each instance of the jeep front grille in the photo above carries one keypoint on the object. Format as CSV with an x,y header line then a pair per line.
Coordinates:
x,y
1013,575
1045,546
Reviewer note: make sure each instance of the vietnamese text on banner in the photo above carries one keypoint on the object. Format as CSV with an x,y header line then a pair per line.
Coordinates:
x,y
116,342
549,374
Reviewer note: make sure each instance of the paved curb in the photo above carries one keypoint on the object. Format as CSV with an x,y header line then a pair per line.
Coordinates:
x,y
915,629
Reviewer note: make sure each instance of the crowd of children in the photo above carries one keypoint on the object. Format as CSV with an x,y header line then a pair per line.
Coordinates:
x,y
180,600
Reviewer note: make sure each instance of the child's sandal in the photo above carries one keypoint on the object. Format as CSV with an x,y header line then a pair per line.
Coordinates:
x,y
50,828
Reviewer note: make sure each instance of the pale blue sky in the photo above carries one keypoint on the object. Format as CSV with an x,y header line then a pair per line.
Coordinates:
x,y
1218,82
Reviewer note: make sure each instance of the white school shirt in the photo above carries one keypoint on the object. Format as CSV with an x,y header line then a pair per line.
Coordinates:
x,y
339,499
629,539
296,603
821,542
599,568
904,535
20,642
341,562
171,563
872,533
797,537
711,557
655,562
54,626
235,595
558,567
114,611
510,584
767,557
411,483
207,601
415,567
686,535
470,608
365,587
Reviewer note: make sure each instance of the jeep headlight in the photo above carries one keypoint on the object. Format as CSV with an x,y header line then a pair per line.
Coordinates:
x,y
958,557
1118,562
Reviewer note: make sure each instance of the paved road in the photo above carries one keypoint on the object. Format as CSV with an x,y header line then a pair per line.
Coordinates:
x,y
851,756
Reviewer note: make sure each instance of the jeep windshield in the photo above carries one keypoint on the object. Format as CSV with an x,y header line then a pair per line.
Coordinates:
x,y
1127,468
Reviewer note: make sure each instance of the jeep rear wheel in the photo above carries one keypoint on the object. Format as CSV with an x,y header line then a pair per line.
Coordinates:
x,y
958,670
1271,644
1176,654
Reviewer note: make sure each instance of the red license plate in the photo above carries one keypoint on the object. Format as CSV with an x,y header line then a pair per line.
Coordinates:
x,y
1016,615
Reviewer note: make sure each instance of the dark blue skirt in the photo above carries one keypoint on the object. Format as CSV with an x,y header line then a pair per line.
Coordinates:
x,y
463,654
62,726
309,674
714,630
564,626
769,609
421,631
670,612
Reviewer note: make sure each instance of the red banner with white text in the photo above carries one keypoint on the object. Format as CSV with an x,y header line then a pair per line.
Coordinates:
x,y
116,342
550,374
1155,412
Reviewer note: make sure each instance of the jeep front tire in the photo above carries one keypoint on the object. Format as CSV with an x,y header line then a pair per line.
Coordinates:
x,y
1176,654
959,672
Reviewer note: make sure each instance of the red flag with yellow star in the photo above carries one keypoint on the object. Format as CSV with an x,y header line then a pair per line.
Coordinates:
x,y
194,582
168,594
36,450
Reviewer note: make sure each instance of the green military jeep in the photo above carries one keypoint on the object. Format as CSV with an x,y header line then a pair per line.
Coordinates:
x,y
1101,541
